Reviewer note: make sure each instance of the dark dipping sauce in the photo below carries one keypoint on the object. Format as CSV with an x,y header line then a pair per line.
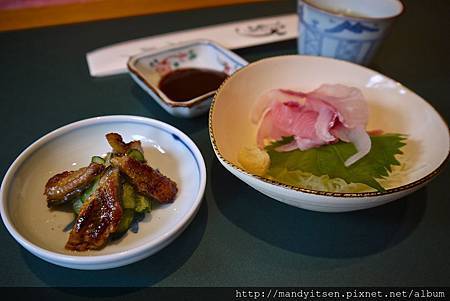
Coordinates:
x,y
188,83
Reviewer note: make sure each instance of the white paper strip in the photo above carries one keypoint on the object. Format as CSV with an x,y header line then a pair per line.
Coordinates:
x,y
112,59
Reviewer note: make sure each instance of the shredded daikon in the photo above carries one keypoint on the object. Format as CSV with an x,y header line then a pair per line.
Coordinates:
x,y
257,161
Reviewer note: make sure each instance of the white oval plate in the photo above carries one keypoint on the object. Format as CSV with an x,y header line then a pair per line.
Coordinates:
x,y
393,109
40,230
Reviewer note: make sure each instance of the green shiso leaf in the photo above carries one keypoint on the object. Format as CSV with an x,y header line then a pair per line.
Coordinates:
x,y
329,160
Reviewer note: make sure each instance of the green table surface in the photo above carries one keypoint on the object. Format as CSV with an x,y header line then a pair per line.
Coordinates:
x,y
239,237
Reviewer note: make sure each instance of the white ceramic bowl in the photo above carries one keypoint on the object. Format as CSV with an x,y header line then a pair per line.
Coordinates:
x,y
149,67
393,108
40,230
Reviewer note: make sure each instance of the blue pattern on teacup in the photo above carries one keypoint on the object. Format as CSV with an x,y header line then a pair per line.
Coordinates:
x,y
338,36
357,27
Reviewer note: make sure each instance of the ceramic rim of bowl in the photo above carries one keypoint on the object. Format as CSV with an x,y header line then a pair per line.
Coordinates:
x,y
418,182
344,16
86,261
188,103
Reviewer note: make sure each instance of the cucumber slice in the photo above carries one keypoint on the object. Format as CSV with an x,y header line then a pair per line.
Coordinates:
x,y
135,154
87,193
142,203
78,203
98,160
77,206
128,196
125,221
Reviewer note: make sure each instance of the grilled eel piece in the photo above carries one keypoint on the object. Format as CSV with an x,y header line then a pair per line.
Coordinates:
x,y
99,216
70,184
121,148
148,181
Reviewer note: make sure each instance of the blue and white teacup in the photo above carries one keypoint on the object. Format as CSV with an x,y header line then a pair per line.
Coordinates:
x,y
349,30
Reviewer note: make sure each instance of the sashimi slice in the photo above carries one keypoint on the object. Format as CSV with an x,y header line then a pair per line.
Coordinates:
x,y
326,118
320,117
348,101
267,99
289,119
